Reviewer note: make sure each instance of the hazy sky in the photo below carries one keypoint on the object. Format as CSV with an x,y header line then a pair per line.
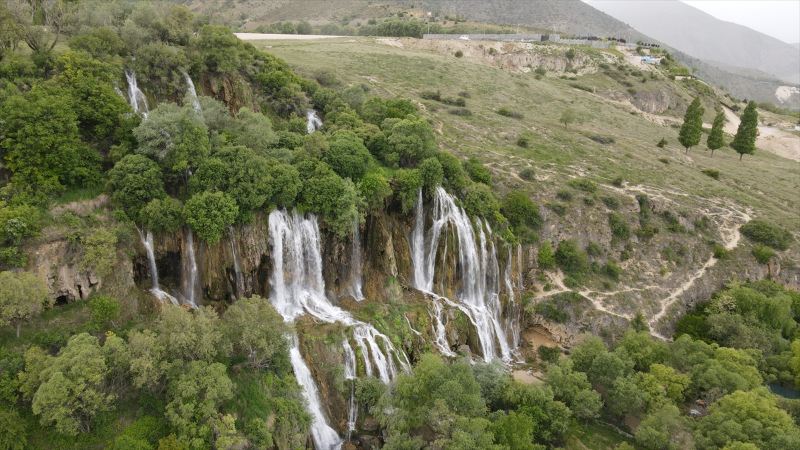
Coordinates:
x,y
776,18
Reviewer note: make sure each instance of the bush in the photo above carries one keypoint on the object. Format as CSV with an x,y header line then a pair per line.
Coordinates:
x,y
477,171
479,201
583,184
551,312
453,172
557,208
712,173
460,112
594,249
564,195
162,215
612,270
528,174
347,155
431,95
765,232
611,202
582,87
619,226
374,188
540,71
721,252
662,143
464,94
546,258
646,232
523,142
664,160
570,258
548,354
431,171
618,182
600,139
459,54
503,111
209,213
762,253
520,210
407,184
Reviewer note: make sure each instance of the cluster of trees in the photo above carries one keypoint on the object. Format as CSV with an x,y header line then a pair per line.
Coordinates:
x,y
177,370
744,141
482,406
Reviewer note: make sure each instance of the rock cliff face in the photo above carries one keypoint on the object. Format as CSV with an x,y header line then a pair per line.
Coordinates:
x,y
240,265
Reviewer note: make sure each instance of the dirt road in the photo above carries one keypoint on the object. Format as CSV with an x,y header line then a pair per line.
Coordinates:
x,y
276,37
771,139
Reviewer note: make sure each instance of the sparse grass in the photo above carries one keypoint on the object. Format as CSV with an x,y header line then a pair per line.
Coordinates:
x,y
765,182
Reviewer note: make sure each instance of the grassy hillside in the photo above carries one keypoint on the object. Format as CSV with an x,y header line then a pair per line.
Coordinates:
x,y
766,183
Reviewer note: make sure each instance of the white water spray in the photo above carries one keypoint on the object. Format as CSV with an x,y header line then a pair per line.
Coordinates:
x,y
477,296
189,276
314,122
147,242
350,374
356,260
192,93
512,318
298,288
136,97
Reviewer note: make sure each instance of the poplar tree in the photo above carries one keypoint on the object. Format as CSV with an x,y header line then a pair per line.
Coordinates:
x,y
745,140
691,130
715,139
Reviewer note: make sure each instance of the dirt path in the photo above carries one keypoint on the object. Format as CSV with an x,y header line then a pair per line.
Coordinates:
x,y
771,139
280,37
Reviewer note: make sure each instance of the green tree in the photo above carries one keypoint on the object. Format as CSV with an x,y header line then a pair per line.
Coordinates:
x,y
254,131
13,435
163,214
256,329
568,117
571,258
625,397
374,188
413,140
516,431
135,181
336,200
453,172
408,182
100,252
643,349
546,258
663,383
42,145
431,171
520,210
610,366
104,310
747,417
584,354
480,201
573,388
745,140
195,394
664,429
715,139
795,361
209,213
347,155
22,296
691,130
73,391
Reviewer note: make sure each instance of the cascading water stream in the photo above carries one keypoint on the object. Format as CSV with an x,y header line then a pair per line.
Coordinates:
x,y
236,267
298,288
189,273
477,296
314,122
147,242
136,97
356,259
192,93
350,374
512,318
521,283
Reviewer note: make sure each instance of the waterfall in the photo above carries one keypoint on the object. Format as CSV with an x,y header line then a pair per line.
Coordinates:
x,y
438,325
477,295
314,122
512,319
147,241
350,374
325,438
236,267
356,260
189,273
135,96
192,93
298,288
519,267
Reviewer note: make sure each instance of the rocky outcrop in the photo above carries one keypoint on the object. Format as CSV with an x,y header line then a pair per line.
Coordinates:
x,y
234,92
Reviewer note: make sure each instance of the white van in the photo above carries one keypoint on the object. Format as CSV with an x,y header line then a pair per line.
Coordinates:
x,y
464,37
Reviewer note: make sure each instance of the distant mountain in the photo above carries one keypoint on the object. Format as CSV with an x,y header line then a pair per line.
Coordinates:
x,y
797,45
703,36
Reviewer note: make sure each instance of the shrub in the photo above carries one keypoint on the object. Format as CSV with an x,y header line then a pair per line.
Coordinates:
x,y
762,253
582,87
431,171
557,208
453,172
477,171
527,174
583,184
565,195
571,283
646,232
713,173
721,252
209,213
407,184
464,94
460,112
459,54
570,258
611,202
594,249
519,209
479,201
104,310
548,354
551,312
765,232
430,95
523,142
662,143
599,138
619,226
540,71
374,188
589,201
546,258
618,181
612,270
664,160
503,111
